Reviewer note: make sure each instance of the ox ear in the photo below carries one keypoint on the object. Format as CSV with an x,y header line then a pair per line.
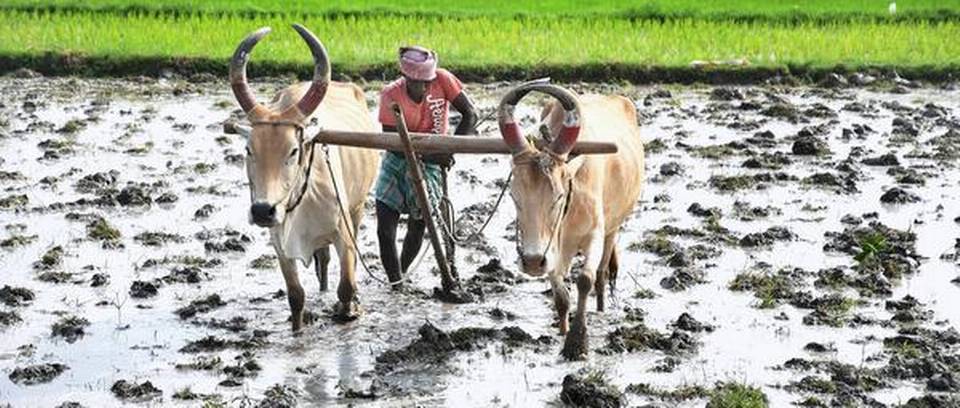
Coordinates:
x,y
232,128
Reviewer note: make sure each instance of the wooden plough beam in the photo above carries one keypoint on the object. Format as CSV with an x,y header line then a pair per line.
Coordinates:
x,y
447,281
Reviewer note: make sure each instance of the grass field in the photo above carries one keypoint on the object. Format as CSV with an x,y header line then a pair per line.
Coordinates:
x,y
710,9
485,38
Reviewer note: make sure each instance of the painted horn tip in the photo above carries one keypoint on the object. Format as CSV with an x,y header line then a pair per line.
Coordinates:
x,y
260,33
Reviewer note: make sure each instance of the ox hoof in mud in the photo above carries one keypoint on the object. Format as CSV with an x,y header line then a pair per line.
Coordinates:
x,y
575,344
343,313
305,318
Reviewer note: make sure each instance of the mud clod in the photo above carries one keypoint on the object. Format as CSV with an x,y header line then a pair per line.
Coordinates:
x,y
435,346
71,328
683,278
810,146
15,296
204,212
591,391
158,238
256,340
687,323
143,289
128,391
37,374
492,277
95,182
766,238
671,169
641,337
9,318
200,306
134,196
185,274
726,94
229,245
101,230
888,159
897,195
699,211
933,401
99,279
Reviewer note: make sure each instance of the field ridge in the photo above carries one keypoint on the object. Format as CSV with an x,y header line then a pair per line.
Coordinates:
x,y
73,64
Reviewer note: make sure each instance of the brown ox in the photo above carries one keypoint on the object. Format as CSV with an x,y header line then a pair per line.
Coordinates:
x,y
291,189
567,206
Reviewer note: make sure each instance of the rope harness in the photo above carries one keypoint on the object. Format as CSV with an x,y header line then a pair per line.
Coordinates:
x,y
346,222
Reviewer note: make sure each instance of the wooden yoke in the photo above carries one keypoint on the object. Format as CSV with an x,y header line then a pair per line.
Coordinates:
x,y
426,143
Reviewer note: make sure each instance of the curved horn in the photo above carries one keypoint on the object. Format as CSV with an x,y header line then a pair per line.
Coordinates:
x,y
564,141
238,69
321,72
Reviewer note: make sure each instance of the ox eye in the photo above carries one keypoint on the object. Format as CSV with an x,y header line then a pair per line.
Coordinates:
x,y
293,153
249,153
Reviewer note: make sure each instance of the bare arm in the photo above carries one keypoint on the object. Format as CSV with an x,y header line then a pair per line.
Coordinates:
x,y
468,113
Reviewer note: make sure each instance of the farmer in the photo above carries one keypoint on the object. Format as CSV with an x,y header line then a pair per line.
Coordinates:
x,y
424,92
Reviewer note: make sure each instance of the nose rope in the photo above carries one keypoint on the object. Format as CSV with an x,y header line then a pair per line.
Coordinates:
x,y
558,225
306,178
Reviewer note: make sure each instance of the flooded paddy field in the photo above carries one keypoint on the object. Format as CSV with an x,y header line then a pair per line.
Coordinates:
x,y
800,240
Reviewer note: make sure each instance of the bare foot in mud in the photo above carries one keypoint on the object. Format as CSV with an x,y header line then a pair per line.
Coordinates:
x,y
306,318
455,296
575,344
296,322
347,313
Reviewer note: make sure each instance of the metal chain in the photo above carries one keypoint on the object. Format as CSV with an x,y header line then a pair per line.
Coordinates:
x,y
448,230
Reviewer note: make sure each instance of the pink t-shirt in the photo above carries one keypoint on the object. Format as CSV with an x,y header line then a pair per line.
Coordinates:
x,y
428,116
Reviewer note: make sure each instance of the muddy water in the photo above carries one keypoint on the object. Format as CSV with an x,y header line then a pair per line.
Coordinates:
x,y
167,133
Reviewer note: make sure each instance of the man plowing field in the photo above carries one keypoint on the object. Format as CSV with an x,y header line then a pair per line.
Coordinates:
x,y
425,94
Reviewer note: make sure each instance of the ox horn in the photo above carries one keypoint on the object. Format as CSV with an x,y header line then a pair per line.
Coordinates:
x,y
321,73
510,130
238,69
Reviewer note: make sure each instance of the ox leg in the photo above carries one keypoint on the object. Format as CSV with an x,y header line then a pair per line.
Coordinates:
x,y
561,299
613,268
321,262
603,272
295,295
347,309
575,345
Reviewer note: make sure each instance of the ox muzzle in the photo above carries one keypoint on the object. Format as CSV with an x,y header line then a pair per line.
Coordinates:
x,y
264,214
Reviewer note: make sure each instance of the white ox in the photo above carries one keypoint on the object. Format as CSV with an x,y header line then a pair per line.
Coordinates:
x,y
567,206
291,189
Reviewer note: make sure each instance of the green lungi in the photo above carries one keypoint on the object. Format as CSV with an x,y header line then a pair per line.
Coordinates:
x,y
395,187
